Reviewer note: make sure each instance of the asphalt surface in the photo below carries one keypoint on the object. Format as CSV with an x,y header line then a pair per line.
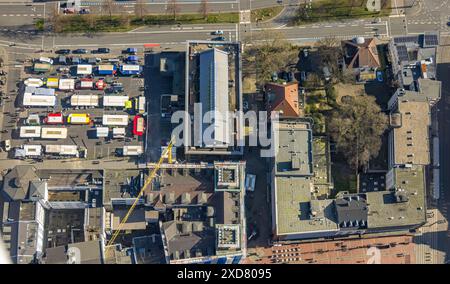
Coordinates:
x,y
16,27
443,73
424,16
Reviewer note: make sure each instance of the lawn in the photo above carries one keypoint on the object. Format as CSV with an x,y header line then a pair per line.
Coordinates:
x,y
39,24
122,23
344,178
329,10
264,14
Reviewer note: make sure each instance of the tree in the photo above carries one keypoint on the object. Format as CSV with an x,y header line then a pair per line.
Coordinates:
x,y
330,51
313,81
204,10
357,126
140,8
109,7
90,19
270,53
173,8
53,18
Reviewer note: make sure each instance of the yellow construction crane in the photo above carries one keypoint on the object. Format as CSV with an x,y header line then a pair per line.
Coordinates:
x,y
141,192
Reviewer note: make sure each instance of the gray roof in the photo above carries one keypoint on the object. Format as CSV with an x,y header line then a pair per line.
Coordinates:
x,y
89,252
403,204
214,91
294,156
185,243
294,214
351,211
17,181
37,189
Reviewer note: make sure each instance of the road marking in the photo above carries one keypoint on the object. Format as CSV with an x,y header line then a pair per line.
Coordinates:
x,y
176,31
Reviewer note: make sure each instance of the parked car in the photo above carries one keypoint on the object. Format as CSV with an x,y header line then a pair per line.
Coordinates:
x,y
63,51
69,11
130,50
219,38
103,50
305,53
7,145
84,11
80,51
380,76
245,106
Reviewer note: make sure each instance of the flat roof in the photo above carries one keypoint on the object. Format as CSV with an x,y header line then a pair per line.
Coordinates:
x,y
294,156
411,140
384,211
430,89
293,208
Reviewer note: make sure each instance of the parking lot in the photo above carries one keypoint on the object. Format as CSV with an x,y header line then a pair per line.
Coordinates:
x,y
84,135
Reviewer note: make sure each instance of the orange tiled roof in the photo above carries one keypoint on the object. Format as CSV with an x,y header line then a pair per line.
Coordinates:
x,y
284,99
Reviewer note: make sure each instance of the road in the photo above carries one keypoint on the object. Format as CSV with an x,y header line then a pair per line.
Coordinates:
x,y
17,15
443,73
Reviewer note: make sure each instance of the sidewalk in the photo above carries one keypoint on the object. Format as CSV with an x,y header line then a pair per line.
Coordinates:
x,y
4,56
117,164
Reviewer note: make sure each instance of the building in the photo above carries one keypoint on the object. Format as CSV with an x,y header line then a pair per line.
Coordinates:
x,y
205,222
296,213
42,209
409,137
392,250
190,213
427,91
283,98
302,209
90,252
22,211
361,56
213,99
413,60
214,95
402,206
413,57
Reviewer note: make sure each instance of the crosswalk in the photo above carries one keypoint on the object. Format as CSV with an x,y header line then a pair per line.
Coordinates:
x,y
20,15
18,31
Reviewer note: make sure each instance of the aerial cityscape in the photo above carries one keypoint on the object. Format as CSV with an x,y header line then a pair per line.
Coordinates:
x,y
257,132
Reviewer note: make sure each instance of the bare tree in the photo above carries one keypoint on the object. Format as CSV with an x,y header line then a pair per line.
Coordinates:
x,y
356,127
90,19
330,51
53,18
140,8
270,53
173,8
109,7
204,9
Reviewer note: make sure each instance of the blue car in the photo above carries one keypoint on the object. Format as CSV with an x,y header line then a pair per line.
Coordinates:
x,y
380,76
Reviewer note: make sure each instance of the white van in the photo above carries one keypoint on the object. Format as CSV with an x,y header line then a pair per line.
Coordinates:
x,y
7,145
46,60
